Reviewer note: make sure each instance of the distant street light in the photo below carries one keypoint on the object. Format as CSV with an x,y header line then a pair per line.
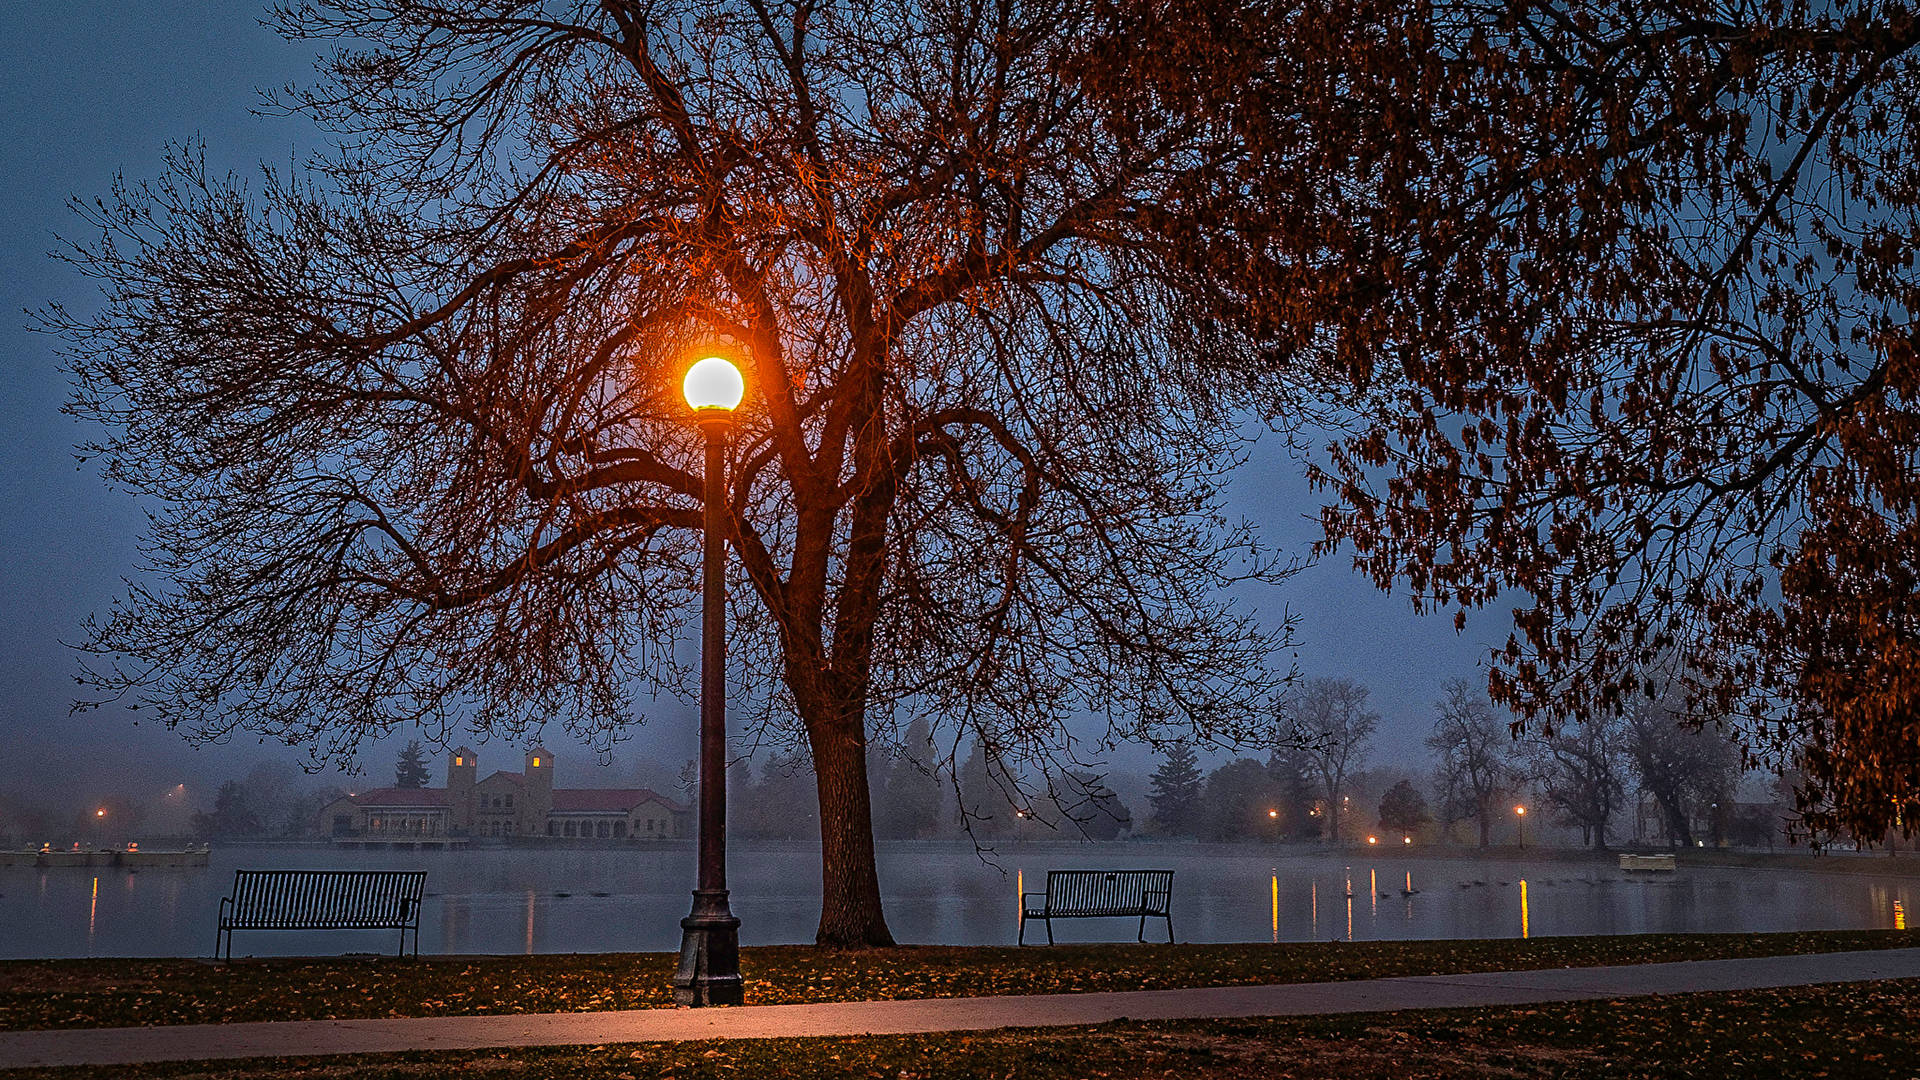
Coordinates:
x,y
1520,813
709,972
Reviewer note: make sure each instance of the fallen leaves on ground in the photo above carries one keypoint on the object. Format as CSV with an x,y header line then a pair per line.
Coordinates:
x,y
111,993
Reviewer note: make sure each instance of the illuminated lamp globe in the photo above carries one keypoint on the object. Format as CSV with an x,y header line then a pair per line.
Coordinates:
x,y
714,385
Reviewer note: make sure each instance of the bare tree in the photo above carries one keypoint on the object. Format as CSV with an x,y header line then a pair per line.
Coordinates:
x,y
1473,746
1684,767
409,416
1582,773
1330,717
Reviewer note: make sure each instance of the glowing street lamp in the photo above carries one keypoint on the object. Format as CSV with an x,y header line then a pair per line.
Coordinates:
x,y
1520,815
709,972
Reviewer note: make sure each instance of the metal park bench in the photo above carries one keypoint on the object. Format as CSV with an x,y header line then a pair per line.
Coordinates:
x,y
322,900
1098,894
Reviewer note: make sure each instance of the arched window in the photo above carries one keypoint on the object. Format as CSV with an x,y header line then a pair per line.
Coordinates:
x,y
570,828
602,830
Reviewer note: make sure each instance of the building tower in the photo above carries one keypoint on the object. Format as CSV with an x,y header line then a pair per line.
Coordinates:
x,y
460,772
537,801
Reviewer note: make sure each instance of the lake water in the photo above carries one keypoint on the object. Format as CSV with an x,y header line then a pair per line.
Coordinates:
x,y
631,899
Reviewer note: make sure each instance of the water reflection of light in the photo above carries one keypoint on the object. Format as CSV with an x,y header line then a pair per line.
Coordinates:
x,y
1313,897
1019,896
1373,889
1349,903
529,922
1276,906
93,913
1899,916
1524,928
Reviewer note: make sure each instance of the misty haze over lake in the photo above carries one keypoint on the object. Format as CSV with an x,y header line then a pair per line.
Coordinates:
x,y
548,900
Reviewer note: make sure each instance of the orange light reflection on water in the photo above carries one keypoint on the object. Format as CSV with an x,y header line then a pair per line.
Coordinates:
x,y
1525,930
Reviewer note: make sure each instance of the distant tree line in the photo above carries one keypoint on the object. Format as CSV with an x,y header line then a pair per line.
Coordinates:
x,y
1642,775
920,793
272,801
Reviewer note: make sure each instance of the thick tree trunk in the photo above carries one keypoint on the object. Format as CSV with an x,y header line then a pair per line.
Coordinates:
x,y
1677,824
850,910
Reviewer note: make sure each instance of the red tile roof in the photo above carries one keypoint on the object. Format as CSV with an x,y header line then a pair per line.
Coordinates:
x,y
518,778
606,800
401,797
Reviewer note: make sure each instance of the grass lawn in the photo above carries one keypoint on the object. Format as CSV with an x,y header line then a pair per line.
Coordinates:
x,y
1863,1030
110,993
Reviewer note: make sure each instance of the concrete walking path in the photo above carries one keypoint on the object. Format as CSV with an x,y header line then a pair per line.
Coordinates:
x,y
121,1046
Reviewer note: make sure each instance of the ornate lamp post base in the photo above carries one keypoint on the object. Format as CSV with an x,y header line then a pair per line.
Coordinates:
x,y
709,971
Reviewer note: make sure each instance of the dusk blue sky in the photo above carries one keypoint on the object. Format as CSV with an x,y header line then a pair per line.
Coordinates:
x,y
92,91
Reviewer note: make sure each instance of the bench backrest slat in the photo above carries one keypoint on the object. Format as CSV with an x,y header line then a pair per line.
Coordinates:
x,y
326,899
1109,892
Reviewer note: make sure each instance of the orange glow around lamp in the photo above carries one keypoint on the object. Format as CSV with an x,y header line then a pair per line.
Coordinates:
x,y
709,971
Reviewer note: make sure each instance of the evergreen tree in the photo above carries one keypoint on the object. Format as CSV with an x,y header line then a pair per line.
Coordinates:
x,y
1093,807
1296,791
783,807
1403,809
233,814
910,802
412,771
1236,801
986,789
1176,791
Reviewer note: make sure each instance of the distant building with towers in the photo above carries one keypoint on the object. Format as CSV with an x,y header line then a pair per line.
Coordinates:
x,y
507,805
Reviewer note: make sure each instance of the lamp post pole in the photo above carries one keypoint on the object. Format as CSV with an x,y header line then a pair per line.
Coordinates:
x,y
709,972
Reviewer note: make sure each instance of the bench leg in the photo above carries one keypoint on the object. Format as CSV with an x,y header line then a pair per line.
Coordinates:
x,y
1142,935
1169,926
1049,929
